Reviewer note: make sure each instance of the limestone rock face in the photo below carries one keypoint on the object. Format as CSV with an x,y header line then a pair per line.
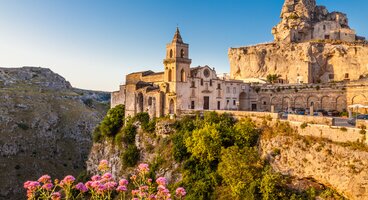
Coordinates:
x,y
338,167
308,62
45,127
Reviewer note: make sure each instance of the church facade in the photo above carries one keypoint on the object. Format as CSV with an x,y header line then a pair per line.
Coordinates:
x,y
180,88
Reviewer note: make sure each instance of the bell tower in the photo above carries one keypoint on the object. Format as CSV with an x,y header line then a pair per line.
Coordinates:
x,y
177,62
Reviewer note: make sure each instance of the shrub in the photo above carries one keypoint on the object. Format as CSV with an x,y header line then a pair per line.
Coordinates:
x,y
88,102
131,156
304,125
113,121
128,133
23,126
96,135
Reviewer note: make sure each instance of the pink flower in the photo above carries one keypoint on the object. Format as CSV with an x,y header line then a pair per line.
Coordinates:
x,y
96,178
110,185
101,189
121,188
143,168
161,181
81,187
180,192
149,180
48,186
56,196
69,180
152,197
143,188
134,177
31,185
104,165
44,179
123,182
89,184
107,176
95,184
135,192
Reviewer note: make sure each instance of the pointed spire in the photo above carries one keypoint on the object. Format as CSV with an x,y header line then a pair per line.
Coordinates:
x,y
177,37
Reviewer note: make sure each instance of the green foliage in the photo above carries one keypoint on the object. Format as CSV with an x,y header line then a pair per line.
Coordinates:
x,y
23,126
180,151
130,156
96,135
272,185
240,169
113,121
128,133
245,134
272,78
304,125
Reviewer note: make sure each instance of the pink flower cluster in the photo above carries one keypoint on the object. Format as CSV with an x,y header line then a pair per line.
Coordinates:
x,y
102,186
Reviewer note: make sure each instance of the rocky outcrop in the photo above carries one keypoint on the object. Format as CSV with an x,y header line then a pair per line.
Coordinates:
x,y
45,127
338,167
308,62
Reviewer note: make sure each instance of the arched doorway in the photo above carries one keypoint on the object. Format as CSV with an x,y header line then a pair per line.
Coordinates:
x,y
242,101
171,107
286,103
140,102
341,103
313,101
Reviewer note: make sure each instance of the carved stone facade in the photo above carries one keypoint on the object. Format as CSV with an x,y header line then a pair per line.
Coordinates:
x,y
179,88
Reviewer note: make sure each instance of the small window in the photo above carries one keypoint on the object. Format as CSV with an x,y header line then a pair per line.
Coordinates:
x,y
202,82
171,53
211,83
193,84
331,76
264,103
182,53
192,105
150,101
324,27
227,102
228,90
234,102
346,75
219,86
327,37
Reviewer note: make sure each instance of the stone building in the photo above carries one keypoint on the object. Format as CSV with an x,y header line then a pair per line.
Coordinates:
x,y
179,88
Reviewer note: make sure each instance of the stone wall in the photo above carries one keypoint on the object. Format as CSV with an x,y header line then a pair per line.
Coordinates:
x,y
311,119
118,97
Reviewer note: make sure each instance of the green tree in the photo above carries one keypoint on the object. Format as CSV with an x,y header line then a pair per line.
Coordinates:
x,y
205,143
239,169
113,121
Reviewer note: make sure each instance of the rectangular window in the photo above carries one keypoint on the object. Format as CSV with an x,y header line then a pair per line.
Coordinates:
x,y
331,76
193,84
211,83
219,86
202,82
234,102
228,90
346,75
192,106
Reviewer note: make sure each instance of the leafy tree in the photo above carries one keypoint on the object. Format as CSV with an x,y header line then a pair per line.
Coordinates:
x,y
205,143
245,133
239,169
113,121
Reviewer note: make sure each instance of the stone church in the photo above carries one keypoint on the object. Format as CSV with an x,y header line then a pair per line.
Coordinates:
x,y
180,88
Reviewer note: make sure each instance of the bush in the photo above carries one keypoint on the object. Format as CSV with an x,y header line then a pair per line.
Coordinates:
x,y
130,156
128,133
113,121
304,125
23,126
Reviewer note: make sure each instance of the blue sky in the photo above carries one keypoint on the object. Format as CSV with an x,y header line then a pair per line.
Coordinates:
x,y
95,43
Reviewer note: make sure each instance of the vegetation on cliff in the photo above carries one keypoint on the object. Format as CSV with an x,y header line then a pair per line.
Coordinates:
x,y
214,156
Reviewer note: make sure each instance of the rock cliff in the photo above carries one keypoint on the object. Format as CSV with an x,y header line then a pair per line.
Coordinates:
x,y
45,127
341,167
308,62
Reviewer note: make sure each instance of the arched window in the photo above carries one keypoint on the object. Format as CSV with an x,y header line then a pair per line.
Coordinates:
x,y
169,76
171,53
182,75
182,53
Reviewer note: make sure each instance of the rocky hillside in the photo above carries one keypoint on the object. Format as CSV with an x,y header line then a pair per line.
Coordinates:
x,y
339,166
45,126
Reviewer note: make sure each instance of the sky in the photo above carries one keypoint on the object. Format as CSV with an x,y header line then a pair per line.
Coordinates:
x,y
94,44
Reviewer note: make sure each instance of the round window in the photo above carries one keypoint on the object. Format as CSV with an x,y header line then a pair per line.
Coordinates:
x,y
206,73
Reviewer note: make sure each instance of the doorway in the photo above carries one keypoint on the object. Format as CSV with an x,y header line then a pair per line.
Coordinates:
x,y
206,103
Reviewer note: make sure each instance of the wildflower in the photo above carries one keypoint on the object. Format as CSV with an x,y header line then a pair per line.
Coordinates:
x,y
107,177
81,187
143,168
103,166
121,188
68,180
56,196
89,184
135,192
96,178
48,186
180,192
161,181
110,185
101,188
96,184
44,179
31,185
149,180
123,182
134,177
